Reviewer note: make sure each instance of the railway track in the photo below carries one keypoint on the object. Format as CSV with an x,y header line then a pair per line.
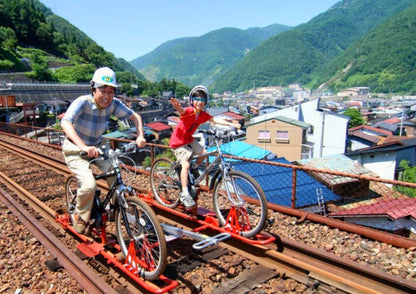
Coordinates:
x,y
256,265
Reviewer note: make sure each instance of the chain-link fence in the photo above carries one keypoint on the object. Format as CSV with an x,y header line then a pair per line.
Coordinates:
x,y
358,198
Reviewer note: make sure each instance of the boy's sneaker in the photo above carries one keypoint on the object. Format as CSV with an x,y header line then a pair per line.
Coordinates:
x,y
187,200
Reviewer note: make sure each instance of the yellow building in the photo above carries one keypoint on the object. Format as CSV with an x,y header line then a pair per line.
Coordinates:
x,y
280,135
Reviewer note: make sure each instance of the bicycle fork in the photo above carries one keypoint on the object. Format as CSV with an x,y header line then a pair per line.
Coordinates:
x,y
232,190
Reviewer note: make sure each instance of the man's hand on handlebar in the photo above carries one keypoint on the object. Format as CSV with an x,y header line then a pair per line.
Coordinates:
x,y
91,151
140,141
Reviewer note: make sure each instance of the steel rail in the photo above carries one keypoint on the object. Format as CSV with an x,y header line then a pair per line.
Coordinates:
x,y
49,214
307,265
85,276
301,269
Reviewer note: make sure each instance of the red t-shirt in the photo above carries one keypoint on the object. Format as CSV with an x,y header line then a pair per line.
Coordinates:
x,y
188,123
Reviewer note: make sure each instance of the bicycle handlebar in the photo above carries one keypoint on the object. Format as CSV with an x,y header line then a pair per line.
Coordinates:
x,y
221,133
105,153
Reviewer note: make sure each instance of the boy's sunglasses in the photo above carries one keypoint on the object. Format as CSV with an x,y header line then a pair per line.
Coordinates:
x,y
201,99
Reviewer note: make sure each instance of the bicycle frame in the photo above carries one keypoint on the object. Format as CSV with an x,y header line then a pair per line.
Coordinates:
x,y
116,188
219,161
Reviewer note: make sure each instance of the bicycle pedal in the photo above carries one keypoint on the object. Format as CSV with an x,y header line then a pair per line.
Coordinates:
x,y
192,210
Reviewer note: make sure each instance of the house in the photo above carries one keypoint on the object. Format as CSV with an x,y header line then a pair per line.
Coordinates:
x,y
327,134
384,159
394,215
280,135
355,91
364,136
53,106
397,125
159,130
232,117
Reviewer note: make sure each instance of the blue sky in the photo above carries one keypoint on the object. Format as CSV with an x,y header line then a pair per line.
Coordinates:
x,y
133,28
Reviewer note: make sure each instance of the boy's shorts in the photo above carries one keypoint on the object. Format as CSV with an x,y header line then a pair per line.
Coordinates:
x,y
184,153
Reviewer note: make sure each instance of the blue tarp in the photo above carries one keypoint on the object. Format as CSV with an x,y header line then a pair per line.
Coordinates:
x,y
276,181
242,149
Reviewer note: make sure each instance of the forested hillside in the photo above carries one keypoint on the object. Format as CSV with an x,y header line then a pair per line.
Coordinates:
x,y
384,59
33,39
298,55
202,59
355,43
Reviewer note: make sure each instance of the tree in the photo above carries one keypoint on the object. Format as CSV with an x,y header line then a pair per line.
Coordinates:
x,y
127,89
356,117
181,90
75,74
408,175
8,39
40,72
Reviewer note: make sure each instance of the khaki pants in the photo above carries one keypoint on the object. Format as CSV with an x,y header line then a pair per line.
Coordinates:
x,y
86,181
184,153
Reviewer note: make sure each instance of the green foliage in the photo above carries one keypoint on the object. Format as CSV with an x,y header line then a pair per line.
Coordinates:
x,y
8,39
127,89
373,39
356,118
79,73
147,162
299,55
40,72
408,175
29,24
385,64
168,151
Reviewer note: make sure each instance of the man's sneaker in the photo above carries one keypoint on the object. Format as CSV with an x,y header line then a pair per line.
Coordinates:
x,y
187,200
79,224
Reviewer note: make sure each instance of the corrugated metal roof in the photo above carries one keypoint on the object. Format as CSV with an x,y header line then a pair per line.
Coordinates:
x,y
339,163
157,126
370,128
393,208
367,137
242,149
233,115
116,135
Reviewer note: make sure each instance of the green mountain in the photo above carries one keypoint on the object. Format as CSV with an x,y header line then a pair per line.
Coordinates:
x,y
297,55
384,59
34,39
197,60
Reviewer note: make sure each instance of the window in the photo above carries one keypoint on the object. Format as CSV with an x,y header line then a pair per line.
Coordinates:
x,y
282,136
306,152
264,137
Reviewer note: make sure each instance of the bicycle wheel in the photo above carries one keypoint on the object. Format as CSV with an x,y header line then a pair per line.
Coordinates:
x,y
165,182
140,224
240,198
71,187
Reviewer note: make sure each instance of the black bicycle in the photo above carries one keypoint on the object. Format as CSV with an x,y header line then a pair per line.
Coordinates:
x,y
238,200
137,228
